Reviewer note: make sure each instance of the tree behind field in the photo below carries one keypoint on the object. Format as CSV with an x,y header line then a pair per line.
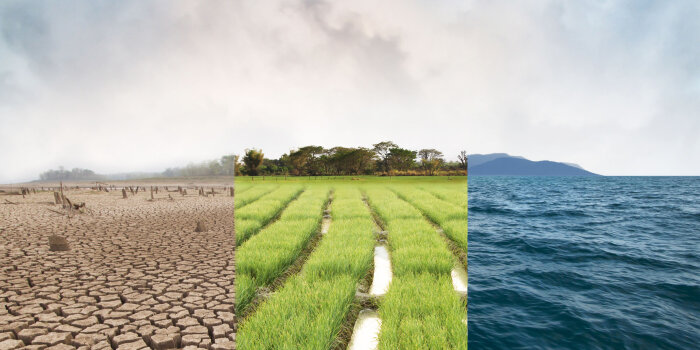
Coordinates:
x,y
357,161
228,165
74,174
253,159
463,160
401,159
431,160
306,160
382,150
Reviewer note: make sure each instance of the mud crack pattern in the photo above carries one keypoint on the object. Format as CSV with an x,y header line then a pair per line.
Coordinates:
x,y
136,276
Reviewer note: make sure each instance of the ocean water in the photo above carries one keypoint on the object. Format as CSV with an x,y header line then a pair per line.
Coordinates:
x,y
584,263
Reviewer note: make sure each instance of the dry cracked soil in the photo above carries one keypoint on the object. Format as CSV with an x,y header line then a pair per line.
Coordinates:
x,y
137,275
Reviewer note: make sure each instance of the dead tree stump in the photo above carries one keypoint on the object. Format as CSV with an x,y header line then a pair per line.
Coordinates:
x,y
57,197
58,244
201,227
67,204
124,193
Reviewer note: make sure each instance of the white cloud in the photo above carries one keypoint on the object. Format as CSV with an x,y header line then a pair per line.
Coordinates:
x,y
118,86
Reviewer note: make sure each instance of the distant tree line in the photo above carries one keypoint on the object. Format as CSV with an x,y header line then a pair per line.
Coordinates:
x,y
63,175
384,158
226,166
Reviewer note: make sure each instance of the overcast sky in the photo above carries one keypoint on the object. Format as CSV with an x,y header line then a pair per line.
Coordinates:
x,y
119,86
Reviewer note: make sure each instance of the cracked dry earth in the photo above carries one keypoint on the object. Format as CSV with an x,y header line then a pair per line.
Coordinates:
x,y
137,276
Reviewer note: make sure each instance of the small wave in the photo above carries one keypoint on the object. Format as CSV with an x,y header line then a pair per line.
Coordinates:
x,y
563,213
490,210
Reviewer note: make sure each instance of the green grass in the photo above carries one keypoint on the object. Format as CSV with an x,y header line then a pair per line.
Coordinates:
x,y
353,180
251,194
455,193
264,256
452,218
421,309
307,313
258,213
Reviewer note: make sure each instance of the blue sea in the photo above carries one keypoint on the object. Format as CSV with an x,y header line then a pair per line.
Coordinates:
x,y
584,262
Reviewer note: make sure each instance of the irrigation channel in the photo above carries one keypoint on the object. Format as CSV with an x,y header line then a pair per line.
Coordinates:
x,y
372,264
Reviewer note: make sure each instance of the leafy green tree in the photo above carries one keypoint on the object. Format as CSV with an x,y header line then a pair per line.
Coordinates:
x,y
306,160
431,159
355,160
382,150
401,159
253,159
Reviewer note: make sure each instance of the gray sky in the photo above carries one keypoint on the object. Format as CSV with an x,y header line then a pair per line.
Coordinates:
x,y
134,85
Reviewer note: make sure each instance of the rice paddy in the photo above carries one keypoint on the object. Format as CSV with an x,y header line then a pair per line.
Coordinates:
x,y
299,288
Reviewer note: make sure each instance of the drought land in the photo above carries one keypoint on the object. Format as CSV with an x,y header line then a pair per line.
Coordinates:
x,y
117,273
351,262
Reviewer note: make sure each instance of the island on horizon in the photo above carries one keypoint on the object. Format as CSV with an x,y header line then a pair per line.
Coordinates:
x,y
503,164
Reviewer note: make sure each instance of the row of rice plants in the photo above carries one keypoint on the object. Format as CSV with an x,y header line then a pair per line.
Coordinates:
x,y
451,217
252,194
251,218
453,193
267,254
307,313
421,309
243,186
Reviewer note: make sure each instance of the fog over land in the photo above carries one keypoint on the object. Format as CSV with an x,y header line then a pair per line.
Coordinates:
x,y
142,86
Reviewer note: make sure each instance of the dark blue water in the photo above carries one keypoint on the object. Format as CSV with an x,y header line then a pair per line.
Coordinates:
x,y
584,263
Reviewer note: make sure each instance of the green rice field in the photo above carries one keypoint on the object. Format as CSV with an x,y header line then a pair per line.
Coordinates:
x,y
307,251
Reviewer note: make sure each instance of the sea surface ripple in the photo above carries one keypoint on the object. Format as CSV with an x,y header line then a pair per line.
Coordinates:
x,y
584,262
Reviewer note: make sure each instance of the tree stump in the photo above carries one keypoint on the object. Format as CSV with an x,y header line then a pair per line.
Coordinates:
x,y
57,197
124,193
201,227
58,244
67,204
231,191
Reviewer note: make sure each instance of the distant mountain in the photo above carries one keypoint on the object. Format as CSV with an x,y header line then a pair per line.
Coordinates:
x,y
573,165
478,159
504,164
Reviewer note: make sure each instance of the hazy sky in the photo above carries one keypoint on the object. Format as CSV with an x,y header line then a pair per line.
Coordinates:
x,y
136,85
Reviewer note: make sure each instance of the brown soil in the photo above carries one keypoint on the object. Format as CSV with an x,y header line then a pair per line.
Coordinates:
x,y
136,275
